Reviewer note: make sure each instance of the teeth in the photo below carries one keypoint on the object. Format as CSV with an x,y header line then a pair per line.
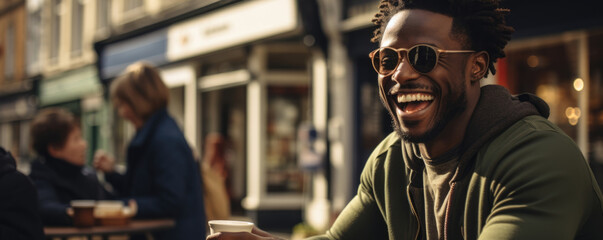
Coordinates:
x,y
405,98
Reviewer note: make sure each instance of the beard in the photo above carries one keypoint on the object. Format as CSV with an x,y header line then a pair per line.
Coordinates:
x,y
455,108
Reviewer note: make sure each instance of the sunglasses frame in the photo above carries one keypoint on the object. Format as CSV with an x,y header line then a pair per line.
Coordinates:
x,y
406,50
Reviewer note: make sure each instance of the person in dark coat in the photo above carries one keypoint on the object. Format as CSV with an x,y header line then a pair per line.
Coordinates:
x,y
162,177
19,217
59,172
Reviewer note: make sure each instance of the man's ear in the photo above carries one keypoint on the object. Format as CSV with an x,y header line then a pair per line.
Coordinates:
x,y
479,66
53,151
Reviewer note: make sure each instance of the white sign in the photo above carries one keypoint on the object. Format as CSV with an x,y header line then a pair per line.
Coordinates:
x,y
178,76
231,26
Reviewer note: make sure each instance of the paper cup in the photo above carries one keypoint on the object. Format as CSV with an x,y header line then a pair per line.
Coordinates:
x,y
216,226
109,209
83,212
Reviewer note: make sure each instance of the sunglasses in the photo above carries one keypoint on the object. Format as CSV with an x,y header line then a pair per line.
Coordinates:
x,y
422,58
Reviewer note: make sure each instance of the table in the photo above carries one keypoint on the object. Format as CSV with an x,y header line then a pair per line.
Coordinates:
x,y
134,227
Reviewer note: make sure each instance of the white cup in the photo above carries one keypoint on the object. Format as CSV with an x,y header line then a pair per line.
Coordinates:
x,y
216,226
108,208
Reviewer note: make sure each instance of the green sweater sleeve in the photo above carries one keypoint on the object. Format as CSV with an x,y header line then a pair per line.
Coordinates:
x,y
541,187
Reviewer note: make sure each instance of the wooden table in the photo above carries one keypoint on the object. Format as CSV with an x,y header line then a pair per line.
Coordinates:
x,y
134,227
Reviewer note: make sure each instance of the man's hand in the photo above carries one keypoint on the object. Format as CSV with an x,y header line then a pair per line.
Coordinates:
x,y
256,233
103,161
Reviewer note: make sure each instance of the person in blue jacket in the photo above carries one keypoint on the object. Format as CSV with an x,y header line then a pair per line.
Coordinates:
x,y
162,177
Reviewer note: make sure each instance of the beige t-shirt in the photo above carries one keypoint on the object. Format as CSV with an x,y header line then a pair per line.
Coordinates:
x,y
436,189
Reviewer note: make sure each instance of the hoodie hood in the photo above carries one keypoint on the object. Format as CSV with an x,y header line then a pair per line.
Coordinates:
x,y
495,111
7,162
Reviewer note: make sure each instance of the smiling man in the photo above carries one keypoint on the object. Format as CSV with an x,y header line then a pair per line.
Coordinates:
x,y
465,162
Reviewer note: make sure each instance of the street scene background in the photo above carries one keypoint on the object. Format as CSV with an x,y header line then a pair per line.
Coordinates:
x,y
284,86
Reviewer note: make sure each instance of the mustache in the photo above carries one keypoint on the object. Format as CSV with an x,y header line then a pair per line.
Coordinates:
x,y
414,86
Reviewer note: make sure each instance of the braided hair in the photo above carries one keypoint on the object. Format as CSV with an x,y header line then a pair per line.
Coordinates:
x,y
478,24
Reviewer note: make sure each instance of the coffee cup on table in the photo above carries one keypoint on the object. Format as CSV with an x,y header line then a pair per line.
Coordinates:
x,y
107,208
83,212
216,226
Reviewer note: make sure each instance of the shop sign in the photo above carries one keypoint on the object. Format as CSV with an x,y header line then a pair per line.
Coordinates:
x,y
150,47
20,108
231,26
178,76
69,86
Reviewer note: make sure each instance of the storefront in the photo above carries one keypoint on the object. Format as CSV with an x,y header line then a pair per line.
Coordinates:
x,y
249,73
559,57
17,108
259,78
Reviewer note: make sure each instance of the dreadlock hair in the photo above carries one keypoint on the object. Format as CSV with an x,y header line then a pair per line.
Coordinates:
x,y
478,24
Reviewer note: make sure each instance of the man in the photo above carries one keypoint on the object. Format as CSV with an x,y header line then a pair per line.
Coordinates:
x,y
464,162
19,218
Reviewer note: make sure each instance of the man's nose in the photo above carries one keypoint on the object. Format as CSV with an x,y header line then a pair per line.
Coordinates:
x,y
404,72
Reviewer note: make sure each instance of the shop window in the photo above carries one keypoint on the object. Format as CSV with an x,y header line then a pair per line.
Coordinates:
x,y
102,14
130,5
77,24
224,135
9,52
55,30
549,71
34,23
130,10
288,107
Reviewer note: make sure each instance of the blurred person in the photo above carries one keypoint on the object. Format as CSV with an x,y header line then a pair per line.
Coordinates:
x,y
214,168
214,153
19,216
464,162
162,177
59,172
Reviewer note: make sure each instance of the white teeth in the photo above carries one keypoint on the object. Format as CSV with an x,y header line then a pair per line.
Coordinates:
x,y
405,98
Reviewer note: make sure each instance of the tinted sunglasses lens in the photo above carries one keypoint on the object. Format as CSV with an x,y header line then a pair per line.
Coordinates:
x,y
422,58
385,61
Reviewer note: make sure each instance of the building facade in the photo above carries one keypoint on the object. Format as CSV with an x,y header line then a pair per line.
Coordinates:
x,y
251,72
66,62
17,85
287,83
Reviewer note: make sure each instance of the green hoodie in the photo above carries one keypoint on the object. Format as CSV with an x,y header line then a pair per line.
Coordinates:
x,y
519,177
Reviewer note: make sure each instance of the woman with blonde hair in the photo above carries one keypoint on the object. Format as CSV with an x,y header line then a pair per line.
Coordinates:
x,y
162,177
